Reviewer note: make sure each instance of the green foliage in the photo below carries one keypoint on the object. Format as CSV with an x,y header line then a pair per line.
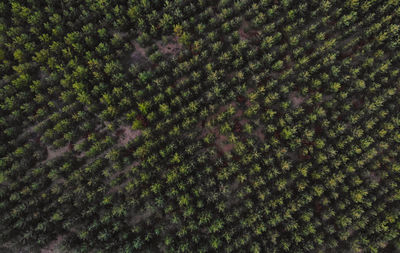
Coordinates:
x,y
199,126
2,177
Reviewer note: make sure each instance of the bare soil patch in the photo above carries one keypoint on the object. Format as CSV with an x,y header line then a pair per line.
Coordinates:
x,y
127,134
374,177
238,113
246,33
223,144
139,55
51,154
259,134
327,97
53,247
296,99
141,217
171,47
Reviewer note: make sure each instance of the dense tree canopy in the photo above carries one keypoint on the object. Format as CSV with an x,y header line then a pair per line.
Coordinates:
x,y
200,126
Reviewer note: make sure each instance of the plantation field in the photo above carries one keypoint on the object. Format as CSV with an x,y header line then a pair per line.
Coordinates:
x,y
199,126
